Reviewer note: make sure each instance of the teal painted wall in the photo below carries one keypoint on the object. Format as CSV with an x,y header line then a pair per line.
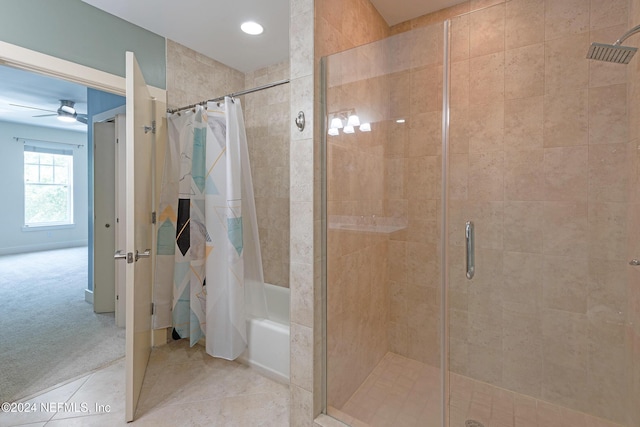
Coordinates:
x,y
80,33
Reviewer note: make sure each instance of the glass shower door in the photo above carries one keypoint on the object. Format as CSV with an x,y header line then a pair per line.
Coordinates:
x,y
539,161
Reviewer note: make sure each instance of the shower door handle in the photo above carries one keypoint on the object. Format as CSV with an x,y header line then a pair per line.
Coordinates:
x,y
469,239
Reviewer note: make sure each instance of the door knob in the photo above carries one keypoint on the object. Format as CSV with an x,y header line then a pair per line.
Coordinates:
x,y
121,255
145,254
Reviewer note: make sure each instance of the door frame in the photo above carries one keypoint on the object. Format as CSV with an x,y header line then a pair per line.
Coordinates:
x,y
41,63
26,59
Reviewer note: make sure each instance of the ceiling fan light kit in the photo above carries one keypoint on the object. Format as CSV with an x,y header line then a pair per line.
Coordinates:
x,y
65,113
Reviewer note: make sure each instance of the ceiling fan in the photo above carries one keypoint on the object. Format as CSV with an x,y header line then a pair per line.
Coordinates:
x,y
66,112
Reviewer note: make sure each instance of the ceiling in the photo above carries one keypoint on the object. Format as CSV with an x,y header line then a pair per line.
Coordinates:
x,y
397,11
34,90
211,27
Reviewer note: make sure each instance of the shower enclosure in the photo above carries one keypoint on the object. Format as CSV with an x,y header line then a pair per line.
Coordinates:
x,y
479,141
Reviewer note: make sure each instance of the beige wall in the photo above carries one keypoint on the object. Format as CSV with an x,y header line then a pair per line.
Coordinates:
x,y
267,124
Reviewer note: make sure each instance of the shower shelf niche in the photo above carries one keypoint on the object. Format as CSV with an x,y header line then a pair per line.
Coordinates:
x,y
366,224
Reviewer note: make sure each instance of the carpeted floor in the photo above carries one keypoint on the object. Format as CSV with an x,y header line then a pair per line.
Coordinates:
x,y
48,333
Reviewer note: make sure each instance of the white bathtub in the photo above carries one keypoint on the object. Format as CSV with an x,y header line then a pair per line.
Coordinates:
x,y
268,339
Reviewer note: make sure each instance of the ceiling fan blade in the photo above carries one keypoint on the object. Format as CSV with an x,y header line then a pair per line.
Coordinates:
x,y
45,115
33,108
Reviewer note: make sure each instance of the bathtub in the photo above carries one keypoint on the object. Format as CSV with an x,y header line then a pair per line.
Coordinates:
x,y
268,339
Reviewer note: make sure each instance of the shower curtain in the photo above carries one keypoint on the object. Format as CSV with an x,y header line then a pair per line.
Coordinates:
x,y
209,275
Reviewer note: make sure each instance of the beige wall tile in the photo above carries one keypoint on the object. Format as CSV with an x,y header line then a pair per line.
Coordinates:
x,y
524,175
485,127
566,173
565,229
523,225
608,114
460,38
607,289
524,71
458,176
486,176
459,85
566,119
565,283
607,183
565,17
523,123
607,230
486,79
522,279
524,23
608,13
566,68
459,130
486,29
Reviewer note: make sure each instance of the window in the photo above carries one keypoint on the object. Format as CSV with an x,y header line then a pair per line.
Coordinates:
x,y
48,189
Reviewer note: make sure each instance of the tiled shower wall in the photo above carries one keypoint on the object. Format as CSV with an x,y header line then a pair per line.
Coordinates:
x,y
413,193
267,123
538,161
193,77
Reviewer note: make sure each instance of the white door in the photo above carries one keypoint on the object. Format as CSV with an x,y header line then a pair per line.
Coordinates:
x,y
104,289
138,175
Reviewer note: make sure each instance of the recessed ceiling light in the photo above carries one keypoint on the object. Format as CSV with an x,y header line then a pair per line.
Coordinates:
x,y
400,121
252,28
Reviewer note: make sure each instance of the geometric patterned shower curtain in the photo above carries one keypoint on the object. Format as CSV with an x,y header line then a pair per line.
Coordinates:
x,y
203,233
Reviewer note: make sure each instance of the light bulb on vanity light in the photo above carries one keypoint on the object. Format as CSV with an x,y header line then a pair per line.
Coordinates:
x,y
365,127
348,129
334,132
353,120
336,123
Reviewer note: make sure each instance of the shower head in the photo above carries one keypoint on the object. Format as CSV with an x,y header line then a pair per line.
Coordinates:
x,y
614,53
611,53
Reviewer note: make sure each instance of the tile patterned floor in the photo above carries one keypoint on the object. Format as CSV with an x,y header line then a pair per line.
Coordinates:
x,y
183,386
401,392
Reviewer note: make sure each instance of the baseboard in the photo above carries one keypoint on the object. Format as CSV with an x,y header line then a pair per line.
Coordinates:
x,y
159,337
88,296
42,247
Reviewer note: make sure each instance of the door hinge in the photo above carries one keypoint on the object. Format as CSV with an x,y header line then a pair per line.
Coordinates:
x,y
129,257
117,297
153,309
153,217
151,128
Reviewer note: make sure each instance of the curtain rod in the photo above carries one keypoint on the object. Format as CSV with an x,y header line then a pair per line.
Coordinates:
x,y
231,95
18,138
